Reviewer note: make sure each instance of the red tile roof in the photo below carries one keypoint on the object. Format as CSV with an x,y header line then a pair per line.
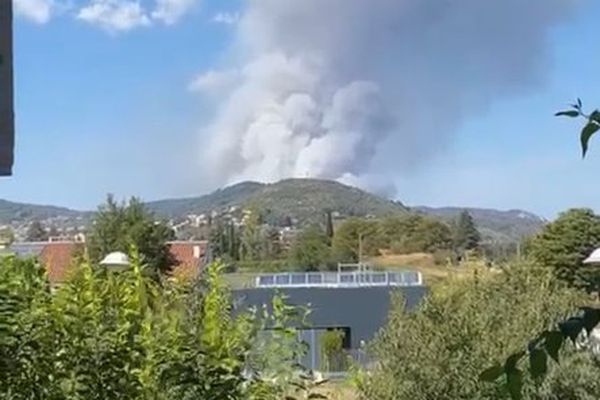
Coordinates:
x,y
57,257
190,255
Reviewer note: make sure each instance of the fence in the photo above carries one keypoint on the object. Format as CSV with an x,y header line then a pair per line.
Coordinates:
x,y
339,279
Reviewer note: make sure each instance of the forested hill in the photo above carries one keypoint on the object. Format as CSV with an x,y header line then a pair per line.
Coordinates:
x,y
493,224
21,212
301,199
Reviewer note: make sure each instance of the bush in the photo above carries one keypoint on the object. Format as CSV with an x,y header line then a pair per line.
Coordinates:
x,y
101,336
438,351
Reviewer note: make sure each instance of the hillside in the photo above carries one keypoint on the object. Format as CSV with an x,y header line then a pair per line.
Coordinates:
x,y
305,200
11,212
494,225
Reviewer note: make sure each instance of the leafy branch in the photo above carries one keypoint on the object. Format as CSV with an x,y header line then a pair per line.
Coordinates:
x,y
591,126
536,357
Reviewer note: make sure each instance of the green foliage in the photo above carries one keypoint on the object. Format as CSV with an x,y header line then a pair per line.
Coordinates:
x,y
466,235
224,241
565,243
333,358
251,244
439,351
116,227
353,236
309,251
36,232
105,336
547,346
591,126
7,235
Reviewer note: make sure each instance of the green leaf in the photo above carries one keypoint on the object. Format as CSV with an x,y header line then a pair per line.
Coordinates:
x,y
595,116
492,373
514,382
538,363
591,318
553,343
586,133
571,327
568,113
511,362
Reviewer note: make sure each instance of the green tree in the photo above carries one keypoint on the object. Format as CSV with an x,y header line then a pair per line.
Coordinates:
x,y
466,235
329,225
353,236
565,243
431,235
309,251
116,227
36,232
438,351
7,236
106,337
251,242
414,233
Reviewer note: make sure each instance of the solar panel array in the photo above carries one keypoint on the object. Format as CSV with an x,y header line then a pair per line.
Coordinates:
x,y
340,279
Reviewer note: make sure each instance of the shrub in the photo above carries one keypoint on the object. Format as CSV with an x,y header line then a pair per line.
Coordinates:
x,y
464,325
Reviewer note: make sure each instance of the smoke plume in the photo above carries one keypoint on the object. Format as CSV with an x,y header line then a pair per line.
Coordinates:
x,y
358,90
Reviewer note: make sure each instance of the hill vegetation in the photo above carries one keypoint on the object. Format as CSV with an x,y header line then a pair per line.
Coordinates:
x,y
494,225
305,200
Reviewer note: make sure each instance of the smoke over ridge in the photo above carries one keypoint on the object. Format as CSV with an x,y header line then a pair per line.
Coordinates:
x,y
361,91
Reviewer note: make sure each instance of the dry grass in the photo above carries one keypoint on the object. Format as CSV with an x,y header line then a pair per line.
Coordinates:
x,y
339,391
424,263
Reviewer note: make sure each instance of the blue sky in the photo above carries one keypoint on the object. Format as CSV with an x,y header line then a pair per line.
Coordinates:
x,y
104,110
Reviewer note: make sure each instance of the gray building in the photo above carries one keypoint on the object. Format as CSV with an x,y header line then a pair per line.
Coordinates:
x,y
358,309
6,89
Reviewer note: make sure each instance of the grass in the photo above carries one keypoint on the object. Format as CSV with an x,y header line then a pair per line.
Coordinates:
x,y
421,262
426,265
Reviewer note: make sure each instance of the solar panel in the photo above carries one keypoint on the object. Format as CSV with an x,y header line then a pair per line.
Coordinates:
x,y
6,90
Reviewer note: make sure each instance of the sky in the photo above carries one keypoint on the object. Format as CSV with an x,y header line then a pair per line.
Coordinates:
x,y
172,98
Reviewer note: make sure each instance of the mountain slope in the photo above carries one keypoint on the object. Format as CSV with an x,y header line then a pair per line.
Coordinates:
x,y
303,199
22,212
494,225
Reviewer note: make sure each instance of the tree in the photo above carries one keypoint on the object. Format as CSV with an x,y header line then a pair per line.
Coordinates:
x,y
271,247
565,243
466,235
431,235
329,225
355,236
36,232
53,232
116,227
7,236
309,251
414,233
98,338
437,351
251,243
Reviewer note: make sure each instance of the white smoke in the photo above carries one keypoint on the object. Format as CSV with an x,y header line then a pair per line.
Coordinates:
x,y
359,90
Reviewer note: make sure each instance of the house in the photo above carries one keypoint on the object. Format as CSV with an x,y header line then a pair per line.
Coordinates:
x,y
191,256
58,256
356,304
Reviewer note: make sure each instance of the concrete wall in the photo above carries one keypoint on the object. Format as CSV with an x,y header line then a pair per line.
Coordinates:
x,y
6,89
364,310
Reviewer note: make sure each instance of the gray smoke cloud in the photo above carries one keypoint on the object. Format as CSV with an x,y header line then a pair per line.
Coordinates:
x,y
359,90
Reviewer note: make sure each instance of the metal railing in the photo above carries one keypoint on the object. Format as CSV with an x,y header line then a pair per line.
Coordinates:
x,y
339,279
